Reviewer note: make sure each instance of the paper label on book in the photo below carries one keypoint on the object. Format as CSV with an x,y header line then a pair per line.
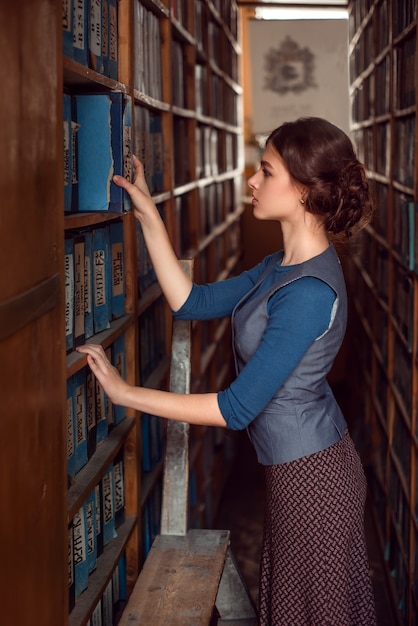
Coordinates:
x,y
78,25
113,44
87,285
80,548
95,37
99,278
70,429
69,286
80,414
117,268
108,497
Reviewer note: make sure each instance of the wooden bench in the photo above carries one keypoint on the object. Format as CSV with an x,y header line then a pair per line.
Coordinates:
x,y
189,577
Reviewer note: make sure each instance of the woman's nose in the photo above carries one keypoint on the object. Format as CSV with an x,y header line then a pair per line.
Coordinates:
x,y
252,182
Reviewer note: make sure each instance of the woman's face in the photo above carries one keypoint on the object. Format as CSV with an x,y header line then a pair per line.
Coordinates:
x,y
274,195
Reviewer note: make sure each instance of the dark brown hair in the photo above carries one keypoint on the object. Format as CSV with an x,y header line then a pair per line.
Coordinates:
x,y
321,157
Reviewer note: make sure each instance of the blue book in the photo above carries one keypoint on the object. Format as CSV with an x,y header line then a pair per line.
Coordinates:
x,y
88,285
71,580
91,532
80,402
70,428
105,36
79,303
157,152
122,577
118,269
94,152
146,442
80,551
113,39
67,28
99,519
67,155
80,31
119,487
118,358
74,156
90,412
108,506
96,34
69,292
101,421
101,279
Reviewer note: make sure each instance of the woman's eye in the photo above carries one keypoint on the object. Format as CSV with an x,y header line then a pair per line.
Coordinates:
x,y
265,172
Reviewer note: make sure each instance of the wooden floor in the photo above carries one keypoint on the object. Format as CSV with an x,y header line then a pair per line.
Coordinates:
x,y
242,512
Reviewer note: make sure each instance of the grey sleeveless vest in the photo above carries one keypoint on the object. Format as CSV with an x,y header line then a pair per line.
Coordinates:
x,y
303,417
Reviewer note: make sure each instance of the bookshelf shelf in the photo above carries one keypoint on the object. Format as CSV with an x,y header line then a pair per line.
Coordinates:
x,y
382,275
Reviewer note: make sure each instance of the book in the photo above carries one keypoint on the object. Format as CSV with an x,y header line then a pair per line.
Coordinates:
x,y
105,44
101,278
80,31
119,489
91,532
69,292
80,551
118,269
101,417
104,149
107,605
118,358
70,428
67,28
79,302
88,284
99,519
108,506
71,579
67,155
113,39
95,29
90,412
80,401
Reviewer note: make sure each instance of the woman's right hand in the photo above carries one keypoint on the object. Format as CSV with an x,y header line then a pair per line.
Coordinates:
x,y
138,190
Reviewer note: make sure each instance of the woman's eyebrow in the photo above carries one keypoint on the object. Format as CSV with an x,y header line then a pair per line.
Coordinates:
x,y
265,164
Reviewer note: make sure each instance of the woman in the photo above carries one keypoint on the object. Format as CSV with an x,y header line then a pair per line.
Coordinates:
x,y
289,318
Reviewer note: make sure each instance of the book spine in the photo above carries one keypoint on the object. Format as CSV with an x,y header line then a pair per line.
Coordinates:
x,y
119,361
80,31
80,551
74,155
69,292
70,428
79,395
79,304
91,532
107,605
95,35
119,488
88,285
118,269
101,279
105,37
108,509
113,39
67,155
90,413
71,578
99,519
67,28
121,145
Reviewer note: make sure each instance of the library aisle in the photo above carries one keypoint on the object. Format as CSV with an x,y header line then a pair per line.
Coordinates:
x,y
242,512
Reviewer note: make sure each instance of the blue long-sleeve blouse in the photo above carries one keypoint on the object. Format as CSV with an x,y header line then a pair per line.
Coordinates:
x,y
298,313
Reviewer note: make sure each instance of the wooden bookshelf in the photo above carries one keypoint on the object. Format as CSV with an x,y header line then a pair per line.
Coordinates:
x,y
383,277
178,65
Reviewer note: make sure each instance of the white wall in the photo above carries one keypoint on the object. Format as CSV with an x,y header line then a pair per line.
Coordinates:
x,y
327,41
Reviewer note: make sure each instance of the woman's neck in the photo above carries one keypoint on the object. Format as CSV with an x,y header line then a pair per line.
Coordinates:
x,y
303,245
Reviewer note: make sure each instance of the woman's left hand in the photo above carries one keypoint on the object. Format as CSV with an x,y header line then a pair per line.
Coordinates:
x,y
108,376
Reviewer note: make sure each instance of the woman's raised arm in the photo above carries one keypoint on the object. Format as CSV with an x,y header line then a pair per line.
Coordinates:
x,y
173,281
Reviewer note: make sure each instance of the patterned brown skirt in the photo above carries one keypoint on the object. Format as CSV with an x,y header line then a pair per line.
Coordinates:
x,y
314,566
